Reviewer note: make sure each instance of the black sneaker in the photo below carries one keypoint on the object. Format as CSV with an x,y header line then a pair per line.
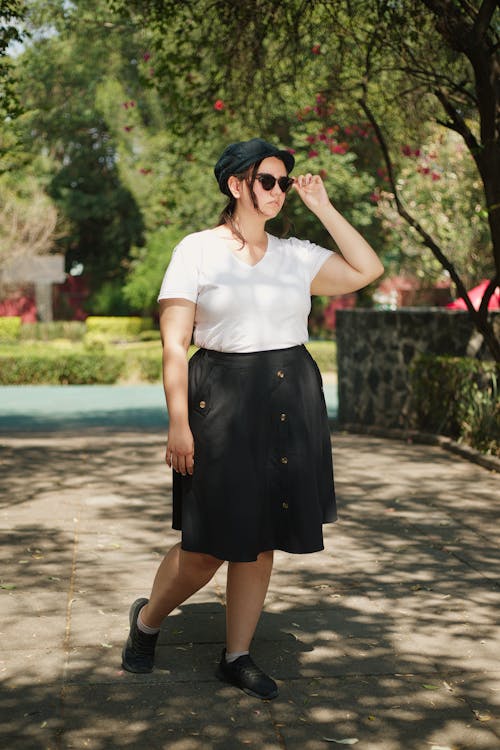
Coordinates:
x,y
247,676
139,651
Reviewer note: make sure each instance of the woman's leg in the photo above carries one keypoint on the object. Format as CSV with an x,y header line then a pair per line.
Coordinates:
x,y
247,585
179,576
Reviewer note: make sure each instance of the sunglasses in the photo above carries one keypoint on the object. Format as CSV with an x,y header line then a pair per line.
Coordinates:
x,y
268,181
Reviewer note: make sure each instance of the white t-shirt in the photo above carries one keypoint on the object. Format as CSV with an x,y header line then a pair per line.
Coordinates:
x,y
243,308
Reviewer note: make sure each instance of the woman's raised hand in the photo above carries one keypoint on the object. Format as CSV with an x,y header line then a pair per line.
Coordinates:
x,y
312,190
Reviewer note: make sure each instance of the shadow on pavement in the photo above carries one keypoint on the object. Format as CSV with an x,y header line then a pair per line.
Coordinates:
x,y
390,636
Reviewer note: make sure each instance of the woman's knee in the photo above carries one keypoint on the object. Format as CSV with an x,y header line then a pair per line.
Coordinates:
x,y
200,562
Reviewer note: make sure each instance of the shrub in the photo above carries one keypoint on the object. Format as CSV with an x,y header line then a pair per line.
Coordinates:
x,y
73,330
10,329
149,366
72,368
325,354
458,397
117,328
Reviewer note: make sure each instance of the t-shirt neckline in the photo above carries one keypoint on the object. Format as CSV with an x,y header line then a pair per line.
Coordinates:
x,y
259,262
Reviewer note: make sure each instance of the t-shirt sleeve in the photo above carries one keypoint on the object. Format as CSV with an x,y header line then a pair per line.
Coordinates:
x,y
181,277
311,256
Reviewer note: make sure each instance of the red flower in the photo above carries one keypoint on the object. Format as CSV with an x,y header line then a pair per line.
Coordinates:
x,y
312,153
311,139
374,197
339,148
128,128
146,56
219,105
323,174
322,137
348,131
291,150
316,49
435,176
406,150
143,170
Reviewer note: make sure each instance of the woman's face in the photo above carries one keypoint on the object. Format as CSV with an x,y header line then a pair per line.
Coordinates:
x,y
270,202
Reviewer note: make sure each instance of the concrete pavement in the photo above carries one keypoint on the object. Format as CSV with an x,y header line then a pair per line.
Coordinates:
x,y
388,640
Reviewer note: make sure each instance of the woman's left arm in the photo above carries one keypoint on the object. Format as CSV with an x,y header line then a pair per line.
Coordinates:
x,y
357,264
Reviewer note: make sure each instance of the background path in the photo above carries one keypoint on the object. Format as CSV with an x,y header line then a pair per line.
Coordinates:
x,y
389,639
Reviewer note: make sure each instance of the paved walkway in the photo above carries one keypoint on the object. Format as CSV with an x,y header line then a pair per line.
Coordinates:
x,y
388,640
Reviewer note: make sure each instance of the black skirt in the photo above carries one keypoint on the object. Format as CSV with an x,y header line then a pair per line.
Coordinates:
x,y
263,474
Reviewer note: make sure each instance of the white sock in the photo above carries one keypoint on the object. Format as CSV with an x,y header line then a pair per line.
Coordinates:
x,y
235,655
145,628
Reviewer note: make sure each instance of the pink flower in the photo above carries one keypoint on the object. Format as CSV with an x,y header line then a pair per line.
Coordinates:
x,y
146,56
374,197
291,151
219,105
322,137
311,139
128,128
312,153
348,131
417,152
338,148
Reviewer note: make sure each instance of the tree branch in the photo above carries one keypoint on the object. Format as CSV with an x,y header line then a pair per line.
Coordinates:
x,y
404,213
458,123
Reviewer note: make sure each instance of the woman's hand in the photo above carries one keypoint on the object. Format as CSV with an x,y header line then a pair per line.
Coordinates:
x,y
312,191
180,449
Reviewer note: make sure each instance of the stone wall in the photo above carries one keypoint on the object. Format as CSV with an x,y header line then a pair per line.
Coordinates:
x,y
375,349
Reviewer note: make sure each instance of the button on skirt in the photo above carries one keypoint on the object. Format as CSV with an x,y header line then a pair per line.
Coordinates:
x,y
263,474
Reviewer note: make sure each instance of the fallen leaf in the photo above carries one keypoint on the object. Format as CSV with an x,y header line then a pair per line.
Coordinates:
x,y
431,687
346,741
7,586
106,645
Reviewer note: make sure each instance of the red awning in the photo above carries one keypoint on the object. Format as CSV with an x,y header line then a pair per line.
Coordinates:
x,y
476,295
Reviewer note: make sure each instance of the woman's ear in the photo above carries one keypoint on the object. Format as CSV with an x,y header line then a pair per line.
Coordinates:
x,y
234,185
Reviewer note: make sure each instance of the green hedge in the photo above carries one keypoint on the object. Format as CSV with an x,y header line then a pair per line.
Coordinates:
x,y
325,354
117,328
458,397
10,329
73,330
72,368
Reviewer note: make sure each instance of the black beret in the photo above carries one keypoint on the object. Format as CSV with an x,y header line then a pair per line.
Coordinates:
x,y
237,157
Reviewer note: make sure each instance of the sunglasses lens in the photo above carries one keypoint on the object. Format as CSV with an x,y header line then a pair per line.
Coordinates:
x,y
285,183
267,181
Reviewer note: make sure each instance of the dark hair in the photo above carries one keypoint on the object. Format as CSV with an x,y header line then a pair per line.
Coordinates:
x,y
227,214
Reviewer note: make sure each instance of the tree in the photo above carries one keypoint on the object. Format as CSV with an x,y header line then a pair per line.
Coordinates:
x,y
402,66
11,15
59,74
28,222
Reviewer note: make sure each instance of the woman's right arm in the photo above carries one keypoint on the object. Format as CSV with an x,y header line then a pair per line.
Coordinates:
x,y
176,326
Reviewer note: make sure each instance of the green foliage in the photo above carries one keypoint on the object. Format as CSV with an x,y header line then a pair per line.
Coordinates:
x,y
11,15
58,367
10,329
458,397
325,354
117,328
72,330
148,266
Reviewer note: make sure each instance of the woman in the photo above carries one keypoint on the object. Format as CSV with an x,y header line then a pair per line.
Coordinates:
x,y
248,436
